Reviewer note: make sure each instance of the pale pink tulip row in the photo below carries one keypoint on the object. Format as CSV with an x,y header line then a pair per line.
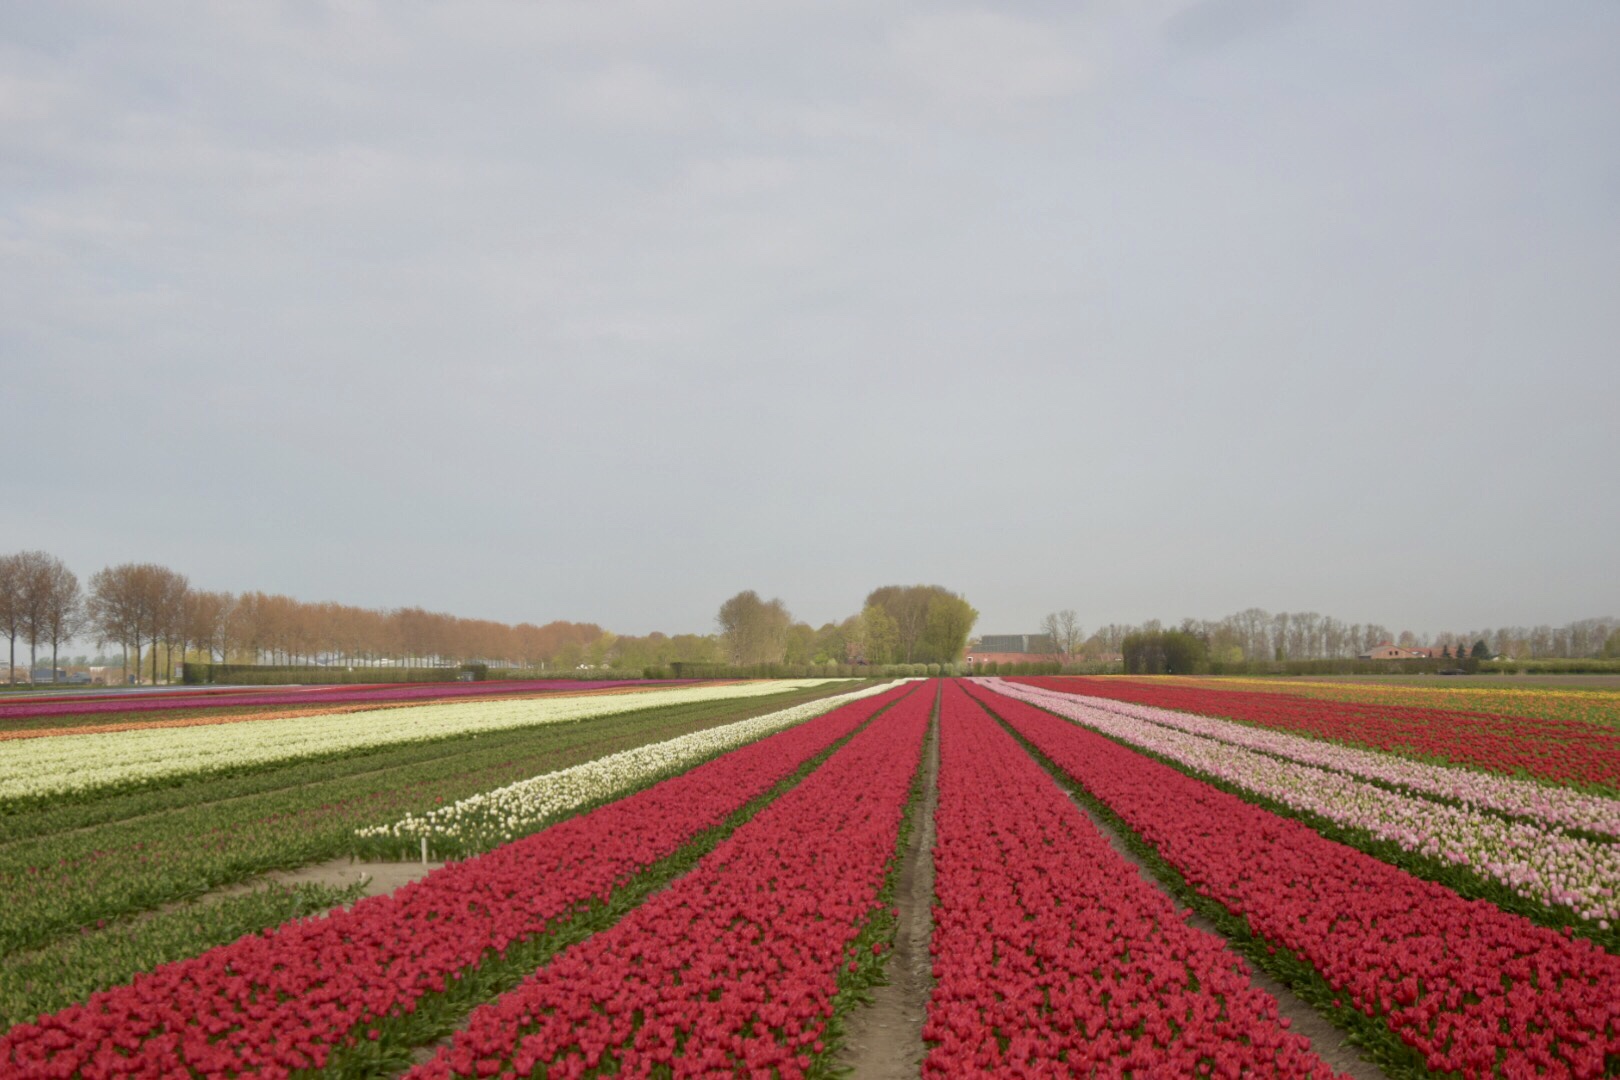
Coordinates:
x,y
1530,799
1539,862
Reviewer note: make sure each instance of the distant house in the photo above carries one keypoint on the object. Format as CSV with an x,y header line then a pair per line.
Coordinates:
x,y
1012,649
1390,651
1029,644
979,656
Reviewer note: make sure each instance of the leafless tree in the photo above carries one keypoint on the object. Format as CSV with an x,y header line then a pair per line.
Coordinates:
x,y
172,589
34,578
136,604
64,616
208,623
11,607
115,608
1063,630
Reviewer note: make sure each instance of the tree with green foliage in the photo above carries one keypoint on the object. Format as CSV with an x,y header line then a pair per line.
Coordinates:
x,y
945,633
1480,651
877,637
754,631
1164,652
931,623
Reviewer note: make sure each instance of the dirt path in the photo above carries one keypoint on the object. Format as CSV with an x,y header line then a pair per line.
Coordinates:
x,y
1328,1040
381,877
883,1039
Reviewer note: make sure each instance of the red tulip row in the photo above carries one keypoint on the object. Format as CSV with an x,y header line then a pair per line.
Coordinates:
x,y
734,968
1468,986
284,1000
1562,750
1051,951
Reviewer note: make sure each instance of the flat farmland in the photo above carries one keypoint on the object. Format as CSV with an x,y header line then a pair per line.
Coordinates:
x,y
1092,877
1586,698
99,834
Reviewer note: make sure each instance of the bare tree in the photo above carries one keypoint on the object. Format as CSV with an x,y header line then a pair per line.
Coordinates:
x,y
208,622
171,591
1062,629
64,615
136,603
34,588
11,607
115,608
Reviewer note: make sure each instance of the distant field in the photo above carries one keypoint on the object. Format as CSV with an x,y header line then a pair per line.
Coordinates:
x,y
71,708
1587,698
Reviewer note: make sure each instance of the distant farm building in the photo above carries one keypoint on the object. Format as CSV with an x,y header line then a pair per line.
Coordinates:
x,y
1012,649
1391,651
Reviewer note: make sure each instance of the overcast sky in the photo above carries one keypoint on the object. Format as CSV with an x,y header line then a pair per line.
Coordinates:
x,y
603,311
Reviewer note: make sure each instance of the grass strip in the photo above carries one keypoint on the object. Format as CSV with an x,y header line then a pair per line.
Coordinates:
x,y
1383,1046
388,1046
71,969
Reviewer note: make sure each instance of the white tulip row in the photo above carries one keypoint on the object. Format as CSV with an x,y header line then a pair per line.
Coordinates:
x,y
1539,862
491,818
67,764
1529,799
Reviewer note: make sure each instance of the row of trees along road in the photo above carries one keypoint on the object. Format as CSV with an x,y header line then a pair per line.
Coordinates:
x,y
899,624
40,604
153,613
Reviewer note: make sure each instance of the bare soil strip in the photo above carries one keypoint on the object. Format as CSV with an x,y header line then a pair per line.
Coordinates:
x,y
1328,1040
883,1039
380,877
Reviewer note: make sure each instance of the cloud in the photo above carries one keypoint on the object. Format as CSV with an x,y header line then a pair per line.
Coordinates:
x,y
737,274
630,95
1214,24
979,57
741,175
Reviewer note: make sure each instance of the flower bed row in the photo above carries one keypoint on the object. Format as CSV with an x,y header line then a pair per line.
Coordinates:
x,y
254,715
1558,750
734,969
1468,987
227,698
488,819
285,1001
1494,695
35,770
1527,799
1051,952
1540,863
65,867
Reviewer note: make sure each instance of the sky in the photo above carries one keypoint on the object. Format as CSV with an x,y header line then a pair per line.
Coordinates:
x,y
604,310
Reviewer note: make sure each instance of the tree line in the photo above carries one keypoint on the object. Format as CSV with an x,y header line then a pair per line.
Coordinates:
x,y
898,624
1258,635
153,614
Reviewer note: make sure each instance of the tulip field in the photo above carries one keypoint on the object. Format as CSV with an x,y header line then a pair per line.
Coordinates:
x,y
1129,877
1567,751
